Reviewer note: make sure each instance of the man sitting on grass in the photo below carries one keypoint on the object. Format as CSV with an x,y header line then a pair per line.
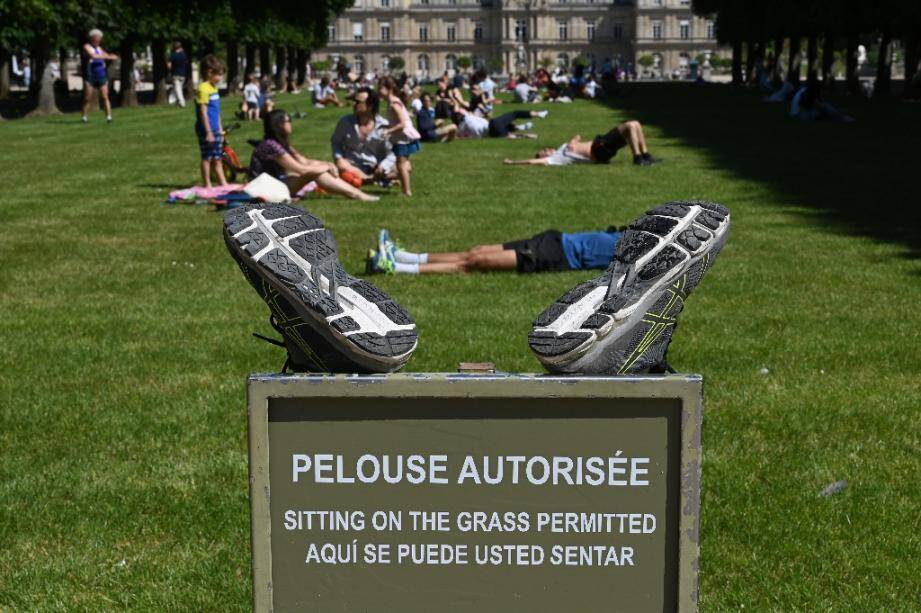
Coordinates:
x,y
360,144
548,251
599,151
324,95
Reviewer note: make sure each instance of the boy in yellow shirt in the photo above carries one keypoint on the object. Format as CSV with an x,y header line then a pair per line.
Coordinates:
x,y
208,120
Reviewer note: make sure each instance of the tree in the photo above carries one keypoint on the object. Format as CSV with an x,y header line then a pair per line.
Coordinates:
x,y
645,61
545,62
494,64
397,63
464,62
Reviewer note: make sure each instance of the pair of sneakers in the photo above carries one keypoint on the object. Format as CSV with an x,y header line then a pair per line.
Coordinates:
x,y
620,322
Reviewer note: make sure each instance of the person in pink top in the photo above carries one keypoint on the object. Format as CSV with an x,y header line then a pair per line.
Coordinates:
x,y
402,133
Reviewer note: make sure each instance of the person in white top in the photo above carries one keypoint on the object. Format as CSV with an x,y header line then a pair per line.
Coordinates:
x,y
471,125
600,150
524,92
251,97
324,95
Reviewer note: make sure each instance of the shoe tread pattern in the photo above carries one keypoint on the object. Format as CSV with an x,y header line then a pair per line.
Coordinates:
x,y
548,344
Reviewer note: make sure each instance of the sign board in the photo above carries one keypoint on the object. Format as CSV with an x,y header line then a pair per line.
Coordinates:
x,y
414,492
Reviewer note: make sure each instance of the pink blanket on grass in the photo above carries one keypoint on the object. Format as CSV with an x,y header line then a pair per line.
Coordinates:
x,y
198,193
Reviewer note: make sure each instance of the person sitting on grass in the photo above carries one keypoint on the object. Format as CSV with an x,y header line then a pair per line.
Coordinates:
x,y
548,251
599,151
431,128
471,125
360,144
324,95
276,156
807,105
208,126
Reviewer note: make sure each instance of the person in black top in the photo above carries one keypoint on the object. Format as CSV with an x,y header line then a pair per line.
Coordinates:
x,y
430,127
178,66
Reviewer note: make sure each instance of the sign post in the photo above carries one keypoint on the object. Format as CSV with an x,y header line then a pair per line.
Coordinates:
x,y
428,492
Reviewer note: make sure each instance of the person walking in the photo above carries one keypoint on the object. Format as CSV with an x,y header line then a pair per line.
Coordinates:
x,y
178,66
96,76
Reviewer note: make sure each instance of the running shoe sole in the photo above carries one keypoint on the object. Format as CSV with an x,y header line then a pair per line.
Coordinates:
x,y
331,321
622,321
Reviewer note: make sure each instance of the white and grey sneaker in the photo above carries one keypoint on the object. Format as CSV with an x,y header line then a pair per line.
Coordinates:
x,y
329,320
622,321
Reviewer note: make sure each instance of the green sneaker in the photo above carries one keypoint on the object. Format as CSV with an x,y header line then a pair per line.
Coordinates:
x,y
379,262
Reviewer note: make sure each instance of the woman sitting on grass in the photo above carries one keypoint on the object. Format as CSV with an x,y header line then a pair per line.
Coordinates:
x,y
275,156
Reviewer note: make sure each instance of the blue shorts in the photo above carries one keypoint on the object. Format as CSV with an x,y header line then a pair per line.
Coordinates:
x,y
210,151
404,150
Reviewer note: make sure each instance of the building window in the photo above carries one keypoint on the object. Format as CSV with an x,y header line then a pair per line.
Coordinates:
x,y
478,31
657,2
359,64
521,30
562,61
478,62
423,64
385,32
684,2
358,31
590,30
562,29
385,4
711,29
451,32
331,32
450,62
618,31
684,29
657,30
423,33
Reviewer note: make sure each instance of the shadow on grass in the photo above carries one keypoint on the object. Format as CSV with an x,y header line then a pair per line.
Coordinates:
x,y
860,179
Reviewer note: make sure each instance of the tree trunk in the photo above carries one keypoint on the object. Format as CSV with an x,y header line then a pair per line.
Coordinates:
x,y
301,67
250,67
795,60
776,77
4,73
265,63
292,66
234,81
280,69
158,51
850,65
828,61
750,62
883,85
127,91
812,56
188,89
912,67
737,63
46,103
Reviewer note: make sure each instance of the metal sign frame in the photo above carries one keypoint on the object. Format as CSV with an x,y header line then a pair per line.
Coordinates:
x,y
687,389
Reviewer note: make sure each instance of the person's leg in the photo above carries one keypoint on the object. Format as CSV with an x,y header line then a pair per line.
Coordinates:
x,y
628,132
500,126
333,185
346,166
403,170
478,259
87,99
219,171
640,137
458,256
206,173
447,133
104,93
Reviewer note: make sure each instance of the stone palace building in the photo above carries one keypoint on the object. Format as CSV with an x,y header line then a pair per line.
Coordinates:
x,y
508,36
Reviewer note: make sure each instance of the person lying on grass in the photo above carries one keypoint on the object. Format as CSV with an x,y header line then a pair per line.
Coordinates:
x,y
548,251
598,151
276,156
471,125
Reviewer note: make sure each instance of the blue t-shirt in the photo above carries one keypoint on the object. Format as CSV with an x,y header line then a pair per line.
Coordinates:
x,y
590,249
179,63
426,120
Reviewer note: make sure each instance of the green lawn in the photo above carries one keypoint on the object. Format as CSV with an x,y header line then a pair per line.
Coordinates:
x,y
126,340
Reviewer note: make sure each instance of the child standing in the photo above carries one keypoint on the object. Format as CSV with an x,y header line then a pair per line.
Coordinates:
x,y
251,97
403,134
208,120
